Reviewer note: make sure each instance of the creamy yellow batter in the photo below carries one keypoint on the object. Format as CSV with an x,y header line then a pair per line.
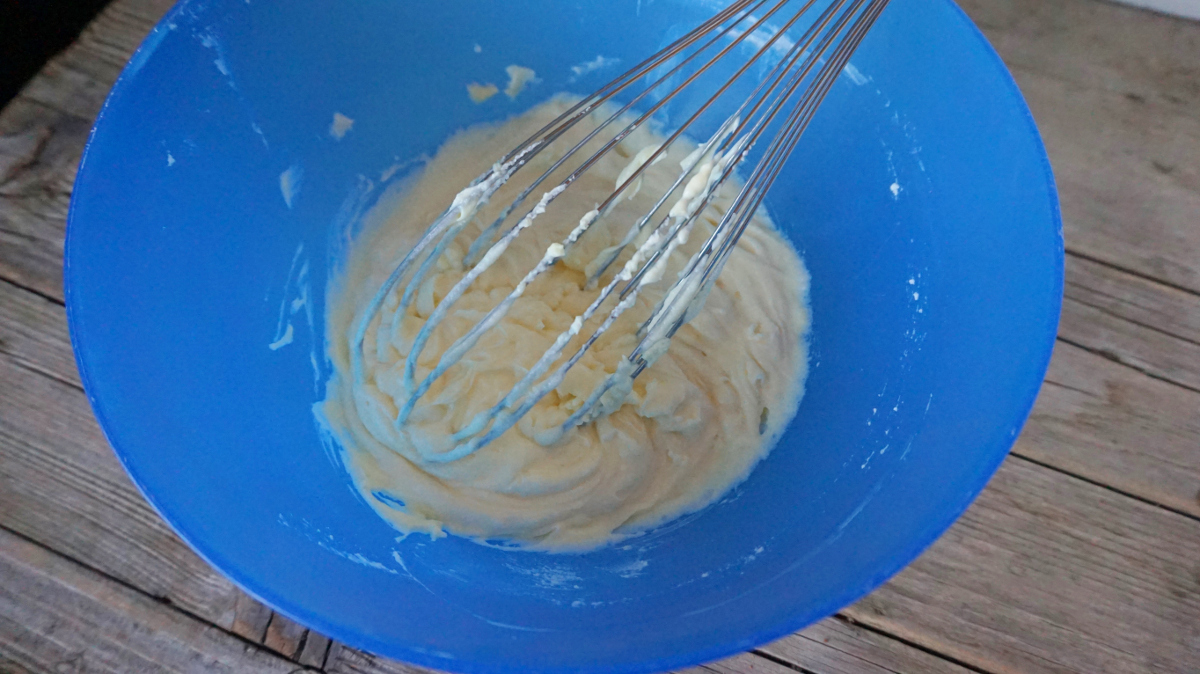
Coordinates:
x,y
695,423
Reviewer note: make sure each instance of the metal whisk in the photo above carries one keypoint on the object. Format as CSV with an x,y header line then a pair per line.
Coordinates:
x,y
780,106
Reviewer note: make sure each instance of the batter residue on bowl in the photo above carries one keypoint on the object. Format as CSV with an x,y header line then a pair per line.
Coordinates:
x,y
694,425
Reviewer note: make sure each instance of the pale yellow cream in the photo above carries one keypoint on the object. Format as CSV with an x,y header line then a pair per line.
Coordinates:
x,y
694,424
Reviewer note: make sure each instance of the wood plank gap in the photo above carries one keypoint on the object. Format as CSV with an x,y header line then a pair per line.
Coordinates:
x,y
30,367
781,662
166,601
1068,387
15,234
35,291
1109,355
1132,272
303,638
911,644
1115,490
268,627
1118,316
285,636
246,617
314,649
325,658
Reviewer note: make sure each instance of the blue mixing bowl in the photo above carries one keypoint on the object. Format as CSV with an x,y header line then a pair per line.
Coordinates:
x,y
202,230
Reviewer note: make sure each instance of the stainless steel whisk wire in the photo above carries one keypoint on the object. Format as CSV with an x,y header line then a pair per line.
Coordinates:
x,y
836,32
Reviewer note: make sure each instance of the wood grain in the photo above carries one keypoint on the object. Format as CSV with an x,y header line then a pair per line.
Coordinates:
x,y
56,616
250,618
40,148
1047,573
315,650
1137,322
346,660
746,663
285,636
1101,420
1116,94
835,646
61,486
33,332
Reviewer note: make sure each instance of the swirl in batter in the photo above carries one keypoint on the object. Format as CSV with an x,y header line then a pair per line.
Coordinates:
x,y
693,424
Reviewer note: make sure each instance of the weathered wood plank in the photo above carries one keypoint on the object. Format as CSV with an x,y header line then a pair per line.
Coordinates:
x,y
61,485
1135,321
1116,94
1047,573
316,648
746,663
111,38
284,636
1108,423
33,332
834,646
19,149
39,152
57,616
1096,45
1184,8
250,618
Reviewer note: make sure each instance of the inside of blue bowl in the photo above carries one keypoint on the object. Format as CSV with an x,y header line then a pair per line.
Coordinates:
x,y
207,217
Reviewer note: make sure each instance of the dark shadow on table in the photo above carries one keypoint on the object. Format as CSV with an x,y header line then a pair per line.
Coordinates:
x,y
32,31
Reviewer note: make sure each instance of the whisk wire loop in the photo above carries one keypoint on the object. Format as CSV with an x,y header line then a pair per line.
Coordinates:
x,y
790,92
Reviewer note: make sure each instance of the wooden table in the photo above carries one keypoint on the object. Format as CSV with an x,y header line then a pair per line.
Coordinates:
x,y
1083,554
